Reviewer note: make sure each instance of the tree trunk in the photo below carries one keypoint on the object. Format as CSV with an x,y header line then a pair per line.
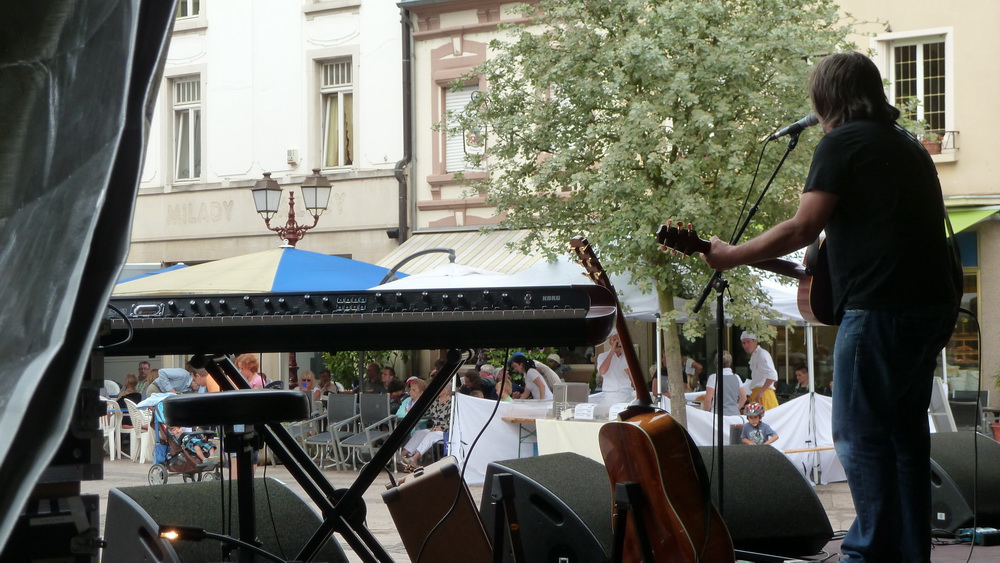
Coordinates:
x,y
676,385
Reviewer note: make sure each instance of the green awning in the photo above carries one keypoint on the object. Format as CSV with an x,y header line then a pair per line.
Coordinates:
x,y
964,218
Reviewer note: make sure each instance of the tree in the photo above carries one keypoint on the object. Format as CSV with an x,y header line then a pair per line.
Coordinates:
x,y
609,117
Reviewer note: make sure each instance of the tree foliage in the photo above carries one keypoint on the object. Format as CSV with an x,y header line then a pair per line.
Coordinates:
x,y
609,117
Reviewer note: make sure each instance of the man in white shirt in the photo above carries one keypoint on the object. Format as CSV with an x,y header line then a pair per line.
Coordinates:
x,y
763,376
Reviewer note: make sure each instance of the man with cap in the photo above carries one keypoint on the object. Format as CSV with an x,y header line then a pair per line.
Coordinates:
x,y
555,362
763,376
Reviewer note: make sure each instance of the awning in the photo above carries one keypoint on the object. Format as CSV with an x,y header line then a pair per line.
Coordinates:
x,y
966,217
489,251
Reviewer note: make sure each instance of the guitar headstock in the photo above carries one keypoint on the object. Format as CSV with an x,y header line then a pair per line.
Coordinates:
x,y
586,257
682,238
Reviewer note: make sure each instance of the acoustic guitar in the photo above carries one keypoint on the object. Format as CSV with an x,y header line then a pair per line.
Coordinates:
x,y
815,295
647,446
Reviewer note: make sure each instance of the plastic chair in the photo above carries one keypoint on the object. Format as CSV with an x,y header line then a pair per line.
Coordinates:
x,y
123,428
141,439
110,423
112,387
377,423
341,424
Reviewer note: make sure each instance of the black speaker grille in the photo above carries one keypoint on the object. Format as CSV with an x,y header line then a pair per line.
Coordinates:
x,y
954,453
563,503
768,506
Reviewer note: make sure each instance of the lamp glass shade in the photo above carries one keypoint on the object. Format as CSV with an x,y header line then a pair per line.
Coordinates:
x,y
266,196
316,192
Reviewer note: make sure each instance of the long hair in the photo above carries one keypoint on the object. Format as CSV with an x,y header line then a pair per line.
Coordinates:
x,y
846,87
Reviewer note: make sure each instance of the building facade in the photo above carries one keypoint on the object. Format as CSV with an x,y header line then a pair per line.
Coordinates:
x,y
281,87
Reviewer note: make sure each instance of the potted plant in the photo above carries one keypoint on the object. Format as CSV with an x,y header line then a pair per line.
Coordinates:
x,y
929,138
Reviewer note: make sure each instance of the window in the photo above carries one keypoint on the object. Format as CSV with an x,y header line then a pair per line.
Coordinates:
x,y
459,145
188,8
187,128
337,90
917,69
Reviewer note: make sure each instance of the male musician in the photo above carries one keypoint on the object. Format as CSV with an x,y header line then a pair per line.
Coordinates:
x,y
875,191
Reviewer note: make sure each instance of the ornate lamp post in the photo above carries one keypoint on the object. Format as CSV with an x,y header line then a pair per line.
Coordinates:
x,y
267,195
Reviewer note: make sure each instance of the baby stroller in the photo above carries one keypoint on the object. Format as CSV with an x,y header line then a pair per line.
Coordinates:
x,y
172,457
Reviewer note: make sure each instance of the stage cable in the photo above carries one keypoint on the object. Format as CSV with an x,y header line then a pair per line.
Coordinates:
x,y
468,455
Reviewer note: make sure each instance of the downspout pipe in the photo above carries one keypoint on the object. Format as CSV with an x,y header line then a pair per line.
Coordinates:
x,y
399,171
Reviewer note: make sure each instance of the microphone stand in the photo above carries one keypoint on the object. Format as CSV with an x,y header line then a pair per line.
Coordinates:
x,y
718,283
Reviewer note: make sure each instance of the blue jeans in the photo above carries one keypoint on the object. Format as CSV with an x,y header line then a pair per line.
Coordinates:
x,y
883,372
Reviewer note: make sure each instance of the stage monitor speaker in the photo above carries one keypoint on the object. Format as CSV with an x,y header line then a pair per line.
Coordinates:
x,y
134,514
436,516
769,507
955,483
563,507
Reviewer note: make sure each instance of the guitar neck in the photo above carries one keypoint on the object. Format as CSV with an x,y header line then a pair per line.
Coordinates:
x,y
588,259
635,371
686,241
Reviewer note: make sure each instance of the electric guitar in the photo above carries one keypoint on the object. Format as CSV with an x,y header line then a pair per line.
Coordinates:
x,y
648,447
815,296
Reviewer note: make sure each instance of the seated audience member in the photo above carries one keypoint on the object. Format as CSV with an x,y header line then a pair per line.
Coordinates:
x,y
307,382
128,392
249,368
801,381
325,385
439,416
471,381
415,387
393,386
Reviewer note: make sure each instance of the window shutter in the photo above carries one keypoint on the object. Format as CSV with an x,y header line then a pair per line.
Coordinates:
x,y
455,102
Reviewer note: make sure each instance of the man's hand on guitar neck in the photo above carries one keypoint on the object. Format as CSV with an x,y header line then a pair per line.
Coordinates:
x,y
722,256
814,211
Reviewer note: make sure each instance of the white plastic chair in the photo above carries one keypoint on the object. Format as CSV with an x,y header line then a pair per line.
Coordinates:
x,y
116,413
112,387
108,423
141,439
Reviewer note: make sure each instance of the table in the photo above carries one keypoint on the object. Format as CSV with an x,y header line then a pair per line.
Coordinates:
x,y
522,432
577,436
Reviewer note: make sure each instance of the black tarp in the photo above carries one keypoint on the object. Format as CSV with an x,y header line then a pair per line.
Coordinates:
x,y
78,79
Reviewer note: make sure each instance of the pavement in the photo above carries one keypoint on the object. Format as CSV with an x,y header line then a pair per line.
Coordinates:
x,y
835,498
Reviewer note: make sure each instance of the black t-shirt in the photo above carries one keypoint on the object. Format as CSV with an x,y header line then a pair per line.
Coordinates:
x,y
886,238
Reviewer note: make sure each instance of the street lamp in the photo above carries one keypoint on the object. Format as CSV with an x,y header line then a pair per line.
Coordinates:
x,y
267,195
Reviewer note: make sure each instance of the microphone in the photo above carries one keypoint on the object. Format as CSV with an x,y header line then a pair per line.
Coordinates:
x,y
797,127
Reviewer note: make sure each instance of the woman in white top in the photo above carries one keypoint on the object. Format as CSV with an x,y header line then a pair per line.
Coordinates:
x,y
534,381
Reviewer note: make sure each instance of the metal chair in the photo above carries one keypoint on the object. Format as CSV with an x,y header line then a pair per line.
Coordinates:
x,y
377,423
341,424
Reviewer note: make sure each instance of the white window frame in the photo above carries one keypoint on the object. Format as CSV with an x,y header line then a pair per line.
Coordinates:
x,y
884,43
341,91
187,128
456,145
194,8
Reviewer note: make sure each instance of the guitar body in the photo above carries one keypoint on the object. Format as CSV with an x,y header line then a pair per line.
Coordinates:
x,y
651,449
648,448
815,296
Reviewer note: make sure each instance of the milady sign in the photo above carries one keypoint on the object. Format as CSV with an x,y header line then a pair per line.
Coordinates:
x,y
199,213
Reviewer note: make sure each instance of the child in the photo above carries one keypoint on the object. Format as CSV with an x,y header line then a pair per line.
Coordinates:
x,y
193,443
756,432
